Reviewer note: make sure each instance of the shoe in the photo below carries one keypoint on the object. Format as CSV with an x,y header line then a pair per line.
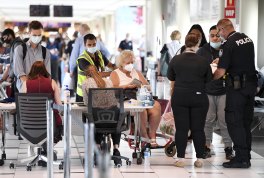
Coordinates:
x,y
198,163
207,153
229,153
153,143
234,163
179,163
117,161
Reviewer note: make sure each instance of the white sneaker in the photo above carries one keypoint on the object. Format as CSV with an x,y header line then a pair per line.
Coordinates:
x,y
198,163
179,162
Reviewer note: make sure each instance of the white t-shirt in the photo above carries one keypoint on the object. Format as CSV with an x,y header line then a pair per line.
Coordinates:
x,y
173,47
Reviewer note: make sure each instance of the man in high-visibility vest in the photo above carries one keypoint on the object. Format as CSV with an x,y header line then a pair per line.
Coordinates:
x,y
90,56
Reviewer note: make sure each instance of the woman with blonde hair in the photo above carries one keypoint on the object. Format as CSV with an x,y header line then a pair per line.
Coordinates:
x,y
123,77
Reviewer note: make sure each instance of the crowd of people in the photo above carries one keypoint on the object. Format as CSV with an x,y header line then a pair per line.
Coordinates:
x,y
209,83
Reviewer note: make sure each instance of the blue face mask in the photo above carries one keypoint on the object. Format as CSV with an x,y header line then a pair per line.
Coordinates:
x,y
92,50
215,45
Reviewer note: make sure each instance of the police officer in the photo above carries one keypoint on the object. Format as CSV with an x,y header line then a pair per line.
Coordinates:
x,y
237,61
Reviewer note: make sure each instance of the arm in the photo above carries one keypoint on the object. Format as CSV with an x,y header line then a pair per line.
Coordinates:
x,y
172,87
56,92
47,61
24,88
19,70
105,74
75,54
142,78
111,66
220,72
5,74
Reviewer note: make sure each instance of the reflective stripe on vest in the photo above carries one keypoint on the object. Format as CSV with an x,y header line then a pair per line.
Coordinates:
x,y
82,74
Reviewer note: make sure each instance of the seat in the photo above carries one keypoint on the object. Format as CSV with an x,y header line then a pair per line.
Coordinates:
x,y
106,111
32,117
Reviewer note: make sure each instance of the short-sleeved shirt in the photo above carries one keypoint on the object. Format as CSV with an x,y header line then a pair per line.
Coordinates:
x,y
215,87
5,58
23,66
83,63
189,71
126,45
237,55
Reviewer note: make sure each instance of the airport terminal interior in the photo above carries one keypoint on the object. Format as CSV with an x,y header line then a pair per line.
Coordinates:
x,y
143,27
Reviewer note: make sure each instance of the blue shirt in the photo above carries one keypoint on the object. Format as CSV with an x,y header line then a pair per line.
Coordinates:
x,y
78,49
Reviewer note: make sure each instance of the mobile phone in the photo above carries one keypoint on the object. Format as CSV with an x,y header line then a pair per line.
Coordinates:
x,y
136,82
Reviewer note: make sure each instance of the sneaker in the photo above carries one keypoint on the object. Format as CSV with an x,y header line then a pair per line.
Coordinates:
x,y
198,163
179,163
117,161
234,163
229,153
207,153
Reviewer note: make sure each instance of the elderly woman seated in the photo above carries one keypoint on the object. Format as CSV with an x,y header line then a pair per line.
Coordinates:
x,y
123,77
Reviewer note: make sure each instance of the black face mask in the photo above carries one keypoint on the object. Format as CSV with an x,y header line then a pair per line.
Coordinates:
x,y
7,40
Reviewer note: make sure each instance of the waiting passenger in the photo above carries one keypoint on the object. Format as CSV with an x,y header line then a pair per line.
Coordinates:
x,y
188,74
123,77
39,81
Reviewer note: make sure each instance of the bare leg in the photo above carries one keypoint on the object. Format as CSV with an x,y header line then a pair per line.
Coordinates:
x,y
154,116
143,124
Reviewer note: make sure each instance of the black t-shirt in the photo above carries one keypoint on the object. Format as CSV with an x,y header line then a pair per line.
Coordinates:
x,y
237,55
126,45
83,63
215,87
189,71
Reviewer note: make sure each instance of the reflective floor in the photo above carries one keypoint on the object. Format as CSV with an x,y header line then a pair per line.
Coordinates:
x,y
161,166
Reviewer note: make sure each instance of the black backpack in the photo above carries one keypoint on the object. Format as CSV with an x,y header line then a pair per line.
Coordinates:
x,y
18,41
23,43
164,61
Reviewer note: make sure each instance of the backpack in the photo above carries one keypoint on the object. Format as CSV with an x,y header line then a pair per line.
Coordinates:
x,y
18,41
164,61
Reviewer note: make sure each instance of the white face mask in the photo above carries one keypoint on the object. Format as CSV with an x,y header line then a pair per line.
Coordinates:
x,y
35,39
52,40
92,50
129,67
215,45
24,36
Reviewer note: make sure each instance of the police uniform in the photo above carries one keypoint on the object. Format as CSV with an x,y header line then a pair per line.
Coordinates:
x,y
237,57
126,45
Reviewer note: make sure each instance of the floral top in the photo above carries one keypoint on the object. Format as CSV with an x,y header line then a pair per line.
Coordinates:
x,y
90,83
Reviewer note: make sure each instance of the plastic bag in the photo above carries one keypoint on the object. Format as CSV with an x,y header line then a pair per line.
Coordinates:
x,y
167,124
67,81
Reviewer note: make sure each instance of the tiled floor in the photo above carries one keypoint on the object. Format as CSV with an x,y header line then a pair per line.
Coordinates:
x,y
161,166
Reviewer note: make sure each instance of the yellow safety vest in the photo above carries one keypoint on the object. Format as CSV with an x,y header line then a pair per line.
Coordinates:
x,y
82,74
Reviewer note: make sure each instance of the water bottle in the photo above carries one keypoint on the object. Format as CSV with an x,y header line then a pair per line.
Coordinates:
x,y
67,94
147,157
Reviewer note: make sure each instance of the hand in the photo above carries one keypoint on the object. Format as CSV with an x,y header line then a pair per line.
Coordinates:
x,y
131,86
215,61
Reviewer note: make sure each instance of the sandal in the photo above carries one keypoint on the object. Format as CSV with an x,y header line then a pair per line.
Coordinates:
x,y
153,143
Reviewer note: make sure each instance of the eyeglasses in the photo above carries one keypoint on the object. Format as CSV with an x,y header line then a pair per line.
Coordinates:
x,y
214,35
